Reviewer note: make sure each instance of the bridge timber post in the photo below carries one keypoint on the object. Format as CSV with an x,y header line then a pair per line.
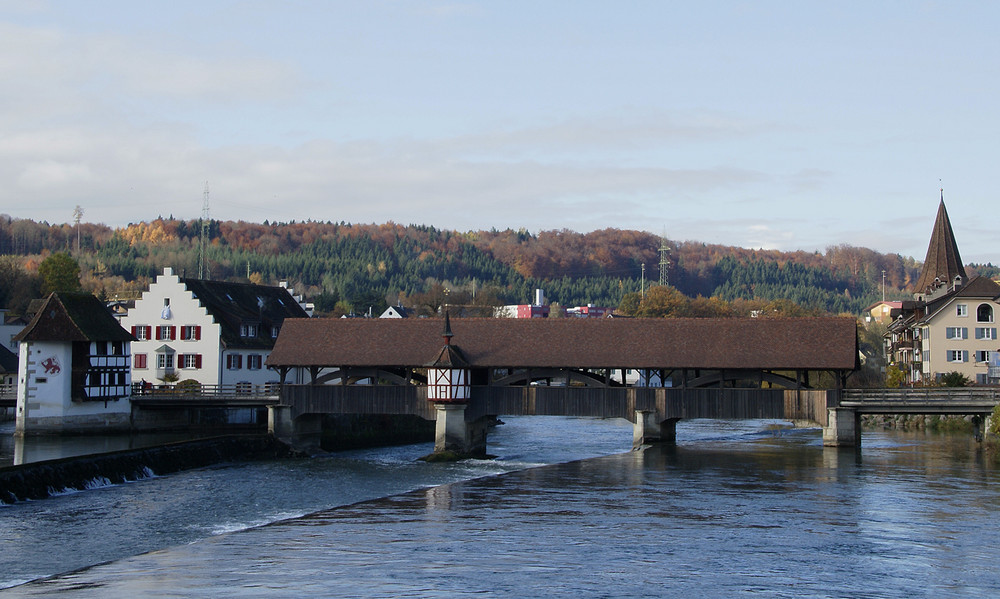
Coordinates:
x,y
648,429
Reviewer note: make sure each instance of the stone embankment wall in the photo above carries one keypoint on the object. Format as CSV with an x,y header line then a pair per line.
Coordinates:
x,y
919,422
43,479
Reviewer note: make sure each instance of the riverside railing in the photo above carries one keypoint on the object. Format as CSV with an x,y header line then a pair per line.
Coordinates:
x,y
269,392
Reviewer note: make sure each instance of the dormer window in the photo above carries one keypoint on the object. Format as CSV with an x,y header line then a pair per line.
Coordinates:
x,y
984,313
248,329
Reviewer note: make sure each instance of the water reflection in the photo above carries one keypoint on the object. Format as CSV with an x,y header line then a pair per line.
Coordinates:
x,y
23,450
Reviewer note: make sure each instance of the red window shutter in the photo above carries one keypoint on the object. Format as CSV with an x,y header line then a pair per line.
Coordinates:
x,y
173,333
184,333
197,333
133,330
239,361
158,333
180,360
197,360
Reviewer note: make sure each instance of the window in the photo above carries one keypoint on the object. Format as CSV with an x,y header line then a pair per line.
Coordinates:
x,y
190,361
190,332
962,310
100,348
986,333
956,333
274,332
234,361
139,361
248,330
254,361
166,332
164,361
958,355
983,356
984,313
142,332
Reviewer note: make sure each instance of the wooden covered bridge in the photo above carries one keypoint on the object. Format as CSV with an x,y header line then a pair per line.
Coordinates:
x,y
465,372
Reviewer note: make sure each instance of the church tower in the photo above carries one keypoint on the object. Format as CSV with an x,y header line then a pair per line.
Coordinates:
x,y
943,268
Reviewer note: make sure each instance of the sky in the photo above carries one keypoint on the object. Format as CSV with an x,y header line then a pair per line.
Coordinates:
x,y
758,124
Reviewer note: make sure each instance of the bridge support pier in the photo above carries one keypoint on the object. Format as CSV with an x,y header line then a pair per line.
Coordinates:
x,y
649,429
302,433
454,434
843,428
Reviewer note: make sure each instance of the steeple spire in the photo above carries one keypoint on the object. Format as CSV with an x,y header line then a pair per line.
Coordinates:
x,y
943,262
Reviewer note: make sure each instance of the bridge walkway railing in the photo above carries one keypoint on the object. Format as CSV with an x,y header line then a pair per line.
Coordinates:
x,y
238,394
923,400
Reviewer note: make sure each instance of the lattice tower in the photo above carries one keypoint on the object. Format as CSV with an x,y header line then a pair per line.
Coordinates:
x,y
204,235
664,262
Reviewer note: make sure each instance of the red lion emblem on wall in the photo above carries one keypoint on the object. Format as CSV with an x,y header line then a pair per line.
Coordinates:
x,y
51,365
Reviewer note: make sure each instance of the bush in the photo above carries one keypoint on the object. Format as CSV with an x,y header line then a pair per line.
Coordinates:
x,y
955,379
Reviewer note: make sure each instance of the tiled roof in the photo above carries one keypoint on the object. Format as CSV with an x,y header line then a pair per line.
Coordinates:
x,y
235,304
943,262
73,317
792,343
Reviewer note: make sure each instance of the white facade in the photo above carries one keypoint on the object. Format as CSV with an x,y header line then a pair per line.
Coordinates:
x,y
45,394
177,335
170,323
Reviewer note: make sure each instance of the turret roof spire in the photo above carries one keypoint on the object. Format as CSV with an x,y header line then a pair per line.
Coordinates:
x,y
943,262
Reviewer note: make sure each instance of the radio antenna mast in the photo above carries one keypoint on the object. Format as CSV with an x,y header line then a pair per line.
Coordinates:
x,y
204,235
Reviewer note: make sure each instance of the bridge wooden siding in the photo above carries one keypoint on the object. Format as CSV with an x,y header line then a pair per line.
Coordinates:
x,y
599,402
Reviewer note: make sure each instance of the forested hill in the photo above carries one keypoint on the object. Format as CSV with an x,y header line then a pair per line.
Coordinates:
x,y
362,265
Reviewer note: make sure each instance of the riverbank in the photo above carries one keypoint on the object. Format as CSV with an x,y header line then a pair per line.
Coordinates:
x,y
935,423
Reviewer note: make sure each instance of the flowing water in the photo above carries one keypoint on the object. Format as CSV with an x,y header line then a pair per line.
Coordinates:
x,y
736,508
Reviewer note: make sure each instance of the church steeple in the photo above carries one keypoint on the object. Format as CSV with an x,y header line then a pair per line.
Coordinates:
x,y
943,263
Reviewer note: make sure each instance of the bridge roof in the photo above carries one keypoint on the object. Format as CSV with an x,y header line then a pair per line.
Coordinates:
x,y
705,343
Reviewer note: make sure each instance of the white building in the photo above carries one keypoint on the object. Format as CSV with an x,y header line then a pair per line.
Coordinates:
x,y
73,368
9,328
212,332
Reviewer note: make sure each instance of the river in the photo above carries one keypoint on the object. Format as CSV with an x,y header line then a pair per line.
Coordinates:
x,y
734,509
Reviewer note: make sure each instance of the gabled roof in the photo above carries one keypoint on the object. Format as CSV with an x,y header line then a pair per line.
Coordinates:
x,y
8,361
891,304
982,288
73,317
943,262
709,343
235,304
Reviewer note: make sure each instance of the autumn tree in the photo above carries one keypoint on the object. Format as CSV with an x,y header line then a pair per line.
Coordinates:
x,y
59,272
664,301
